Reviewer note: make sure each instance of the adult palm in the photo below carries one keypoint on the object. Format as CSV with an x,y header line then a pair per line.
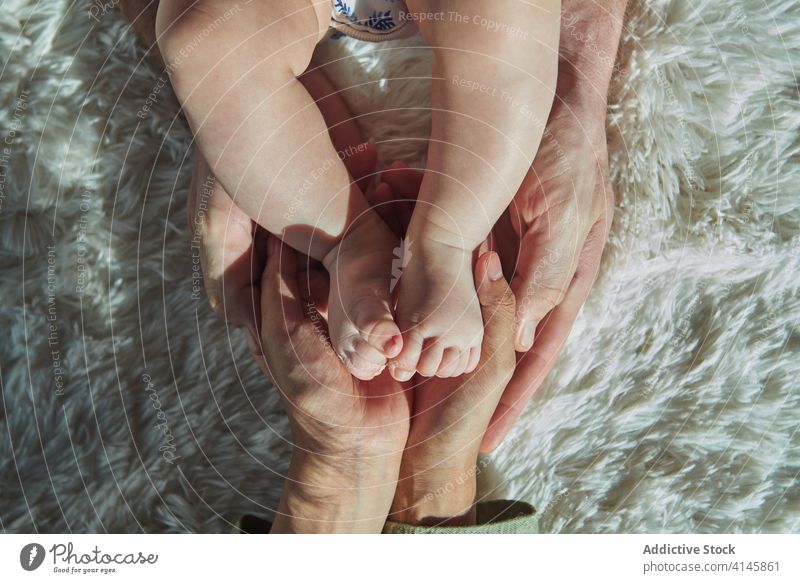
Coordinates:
x,y
331,412
551,242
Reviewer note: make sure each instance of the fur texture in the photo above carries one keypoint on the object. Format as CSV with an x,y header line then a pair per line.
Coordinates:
x,y
672,408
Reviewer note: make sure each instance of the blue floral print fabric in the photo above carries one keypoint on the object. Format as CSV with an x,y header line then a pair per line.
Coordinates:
x,y
372,20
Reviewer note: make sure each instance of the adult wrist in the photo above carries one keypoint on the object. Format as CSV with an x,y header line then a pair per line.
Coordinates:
x,y
440,495
324,494
590,34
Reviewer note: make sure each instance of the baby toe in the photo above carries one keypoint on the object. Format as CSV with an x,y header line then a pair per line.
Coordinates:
x,y
368,352
431,357
448,363
384,336
473,360
404,365
400,374
360,367
361,360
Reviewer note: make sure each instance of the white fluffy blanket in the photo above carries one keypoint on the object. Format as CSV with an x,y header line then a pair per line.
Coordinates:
x,y
674,406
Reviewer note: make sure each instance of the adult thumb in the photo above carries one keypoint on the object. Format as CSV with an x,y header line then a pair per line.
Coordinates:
x,y
498,305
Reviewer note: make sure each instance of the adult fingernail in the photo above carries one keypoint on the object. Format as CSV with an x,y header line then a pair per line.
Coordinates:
x,y
526,335
402,375
493,267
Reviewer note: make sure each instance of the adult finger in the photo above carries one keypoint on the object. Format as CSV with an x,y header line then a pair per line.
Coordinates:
x,y
314,283
281,304
230,257
361,164
498,308
404,180
380,199
548,257
533,366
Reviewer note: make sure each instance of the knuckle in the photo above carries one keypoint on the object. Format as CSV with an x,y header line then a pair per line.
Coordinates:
x,y
498,354
560,217
543,301
508,300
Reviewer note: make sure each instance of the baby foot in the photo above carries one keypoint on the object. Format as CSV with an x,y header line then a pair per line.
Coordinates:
x,y
438,313
362,330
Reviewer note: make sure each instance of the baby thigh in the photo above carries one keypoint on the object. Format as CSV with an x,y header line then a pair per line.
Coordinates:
x,y
206,30
234,67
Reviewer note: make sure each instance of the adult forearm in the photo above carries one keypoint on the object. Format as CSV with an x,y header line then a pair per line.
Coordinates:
x,y
590,33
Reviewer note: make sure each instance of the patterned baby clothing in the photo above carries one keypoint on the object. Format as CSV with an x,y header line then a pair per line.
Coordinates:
x,y
372,20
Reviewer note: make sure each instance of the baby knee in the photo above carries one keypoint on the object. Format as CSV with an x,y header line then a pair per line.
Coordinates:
x,y
193,32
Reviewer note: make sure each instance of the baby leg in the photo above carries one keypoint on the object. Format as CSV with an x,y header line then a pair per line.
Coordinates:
x,y
234,67
493,84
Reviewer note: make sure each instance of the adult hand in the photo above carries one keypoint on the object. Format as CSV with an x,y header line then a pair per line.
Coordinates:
x,y
438,471
553,236
551,239
348,435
